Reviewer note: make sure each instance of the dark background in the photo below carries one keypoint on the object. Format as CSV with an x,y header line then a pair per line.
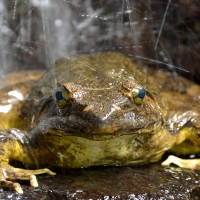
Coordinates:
x,y
162,34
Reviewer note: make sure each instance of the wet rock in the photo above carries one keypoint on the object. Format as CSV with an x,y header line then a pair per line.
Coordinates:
x,y
142,182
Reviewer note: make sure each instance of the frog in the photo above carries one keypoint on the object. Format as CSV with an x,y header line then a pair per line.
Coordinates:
x,y
98,109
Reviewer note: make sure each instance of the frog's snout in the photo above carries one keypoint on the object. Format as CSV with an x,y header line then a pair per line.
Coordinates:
x,y
102,112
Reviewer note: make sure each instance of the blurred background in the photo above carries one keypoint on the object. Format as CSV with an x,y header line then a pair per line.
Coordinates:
x,y
161,34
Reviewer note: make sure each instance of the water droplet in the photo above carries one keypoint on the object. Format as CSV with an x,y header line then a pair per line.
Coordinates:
x,y
58,22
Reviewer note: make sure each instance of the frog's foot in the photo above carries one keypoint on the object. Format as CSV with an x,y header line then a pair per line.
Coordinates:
x,y
9,173
184,163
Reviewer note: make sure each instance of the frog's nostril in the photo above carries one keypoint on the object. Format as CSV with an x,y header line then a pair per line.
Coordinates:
x,y
117,108
88,108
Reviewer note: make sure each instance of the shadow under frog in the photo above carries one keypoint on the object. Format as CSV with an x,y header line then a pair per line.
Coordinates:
x,y
100,109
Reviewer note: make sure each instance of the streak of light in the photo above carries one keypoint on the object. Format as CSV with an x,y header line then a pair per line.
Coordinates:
x,y
163,21
157,61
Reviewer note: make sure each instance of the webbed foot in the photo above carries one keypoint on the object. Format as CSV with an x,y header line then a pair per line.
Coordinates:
x,y
183,163
9,173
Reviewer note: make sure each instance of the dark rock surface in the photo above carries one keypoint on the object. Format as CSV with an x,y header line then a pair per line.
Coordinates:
x,y
143,182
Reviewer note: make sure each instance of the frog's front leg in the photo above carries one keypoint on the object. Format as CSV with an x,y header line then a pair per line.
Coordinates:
x,y
184,163
9,173
13,147
186,125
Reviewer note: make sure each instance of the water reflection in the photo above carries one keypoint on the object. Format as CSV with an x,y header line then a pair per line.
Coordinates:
x,y
5,109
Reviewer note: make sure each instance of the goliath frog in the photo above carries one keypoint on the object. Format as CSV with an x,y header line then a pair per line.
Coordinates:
x,y
93,110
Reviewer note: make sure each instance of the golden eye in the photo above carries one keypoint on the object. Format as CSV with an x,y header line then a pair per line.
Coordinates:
x,y
138,94
62,97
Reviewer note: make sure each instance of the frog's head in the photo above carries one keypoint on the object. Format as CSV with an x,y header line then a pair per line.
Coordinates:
x,y
101,95
101,103
98,110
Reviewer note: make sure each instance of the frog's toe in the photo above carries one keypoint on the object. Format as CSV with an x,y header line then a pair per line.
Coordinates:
x,y
9,173
184,163
10,184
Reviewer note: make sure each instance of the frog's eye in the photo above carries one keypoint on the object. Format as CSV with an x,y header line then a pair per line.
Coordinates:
x,y
138,94
62,97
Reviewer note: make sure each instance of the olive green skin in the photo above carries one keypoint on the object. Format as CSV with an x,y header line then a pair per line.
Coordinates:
x,y
101,124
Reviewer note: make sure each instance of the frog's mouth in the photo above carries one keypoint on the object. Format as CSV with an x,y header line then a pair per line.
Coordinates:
x,y
62,126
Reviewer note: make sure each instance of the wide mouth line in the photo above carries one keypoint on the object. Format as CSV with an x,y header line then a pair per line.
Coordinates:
x,y
98,135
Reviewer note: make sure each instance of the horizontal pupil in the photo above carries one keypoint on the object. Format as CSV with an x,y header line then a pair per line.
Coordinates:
x,y
59,96
141,93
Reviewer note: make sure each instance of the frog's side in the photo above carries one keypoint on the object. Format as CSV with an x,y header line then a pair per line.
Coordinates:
x,y
83,113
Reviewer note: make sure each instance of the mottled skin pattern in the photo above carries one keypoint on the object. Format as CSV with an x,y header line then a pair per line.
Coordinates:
x,y
100,124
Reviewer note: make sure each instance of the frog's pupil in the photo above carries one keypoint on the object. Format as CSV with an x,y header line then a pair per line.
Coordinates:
x,y
59,96
141,93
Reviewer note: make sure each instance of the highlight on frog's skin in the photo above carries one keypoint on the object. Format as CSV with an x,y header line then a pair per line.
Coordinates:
x,y
62,97
138,94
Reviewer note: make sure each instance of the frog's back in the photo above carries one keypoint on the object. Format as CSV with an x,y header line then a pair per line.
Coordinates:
x,y
100,70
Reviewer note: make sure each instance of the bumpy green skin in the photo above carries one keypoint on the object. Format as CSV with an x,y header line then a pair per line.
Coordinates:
x,y
101,124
